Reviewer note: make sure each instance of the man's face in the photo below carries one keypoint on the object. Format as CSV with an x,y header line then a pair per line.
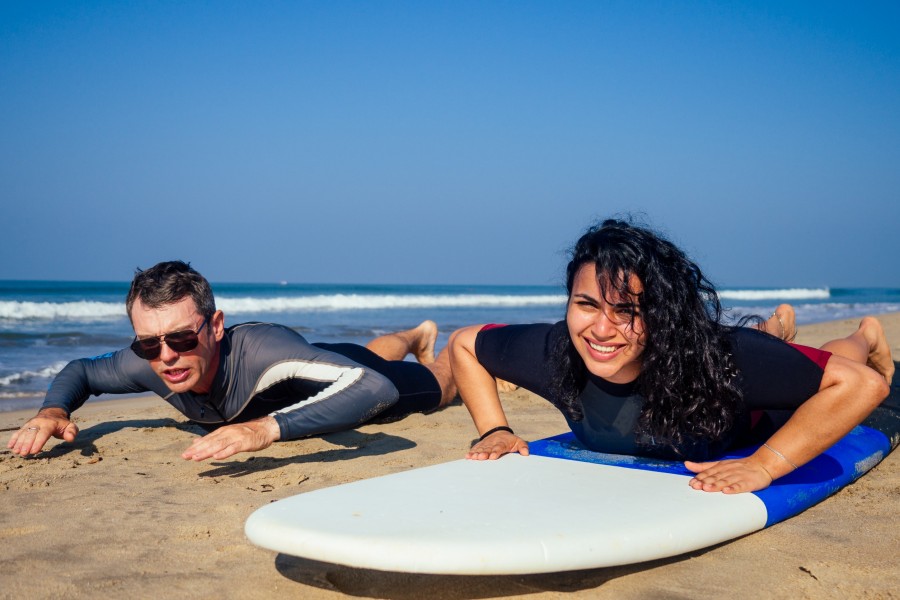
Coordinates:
x,y
195,369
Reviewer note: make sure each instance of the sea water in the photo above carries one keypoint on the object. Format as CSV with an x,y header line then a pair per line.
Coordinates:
x,y
45,324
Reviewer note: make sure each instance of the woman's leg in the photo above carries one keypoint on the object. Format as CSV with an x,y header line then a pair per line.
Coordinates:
x,y
782,324
867,345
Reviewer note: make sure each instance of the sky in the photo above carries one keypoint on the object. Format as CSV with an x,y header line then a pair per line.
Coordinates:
x,y
447,142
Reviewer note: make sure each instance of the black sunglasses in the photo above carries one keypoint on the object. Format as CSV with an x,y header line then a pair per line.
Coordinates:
x,y
179,341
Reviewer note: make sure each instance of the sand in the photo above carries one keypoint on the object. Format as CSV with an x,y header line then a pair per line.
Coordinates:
x,y
118,514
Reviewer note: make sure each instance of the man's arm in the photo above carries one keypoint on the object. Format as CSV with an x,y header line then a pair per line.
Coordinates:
x,y
349,393
354,396
114,373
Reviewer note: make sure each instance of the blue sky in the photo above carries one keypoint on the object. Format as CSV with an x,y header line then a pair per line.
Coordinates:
x,y
447,142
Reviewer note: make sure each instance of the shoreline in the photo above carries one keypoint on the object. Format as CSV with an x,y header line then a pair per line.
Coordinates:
x,y
118,512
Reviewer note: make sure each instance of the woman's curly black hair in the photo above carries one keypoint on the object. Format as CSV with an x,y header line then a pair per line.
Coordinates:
x,y
687,368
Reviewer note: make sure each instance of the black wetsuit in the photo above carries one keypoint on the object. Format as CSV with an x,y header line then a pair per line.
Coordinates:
x,y
774,375
267,369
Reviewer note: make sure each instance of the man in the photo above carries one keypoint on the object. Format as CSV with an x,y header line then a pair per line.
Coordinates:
x,y
250,384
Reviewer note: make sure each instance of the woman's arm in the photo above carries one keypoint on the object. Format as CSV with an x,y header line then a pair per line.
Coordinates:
x,y
478,390
849,391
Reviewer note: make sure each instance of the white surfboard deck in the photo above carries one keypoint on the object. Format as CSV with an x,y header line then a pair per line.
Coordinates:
x,y
515,515
562,508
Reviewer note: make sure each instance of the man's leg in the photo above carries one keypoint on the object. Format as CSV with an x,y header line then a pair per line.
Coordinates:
x,y
422,387
418,341
441,370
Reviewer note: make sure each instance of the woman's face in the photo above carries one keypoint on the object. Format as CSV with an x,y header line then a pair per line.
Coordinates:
x,y
609,336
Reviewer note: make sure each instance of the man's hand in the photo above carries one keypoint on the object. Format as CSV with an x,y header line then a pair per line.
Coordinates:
x,y
231,439
49,422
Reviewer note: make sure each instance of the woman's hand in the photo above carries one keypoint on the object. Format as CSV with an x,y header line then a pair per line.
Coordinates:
x,y
496,445
729,476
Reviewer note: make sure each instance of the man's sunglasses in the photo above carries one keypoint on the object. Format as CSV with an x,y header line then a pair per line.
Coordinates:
x,y
179,341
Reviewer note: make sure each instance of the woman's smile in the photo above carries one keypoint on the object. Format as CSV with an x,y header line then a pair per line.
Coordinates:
x,y
603,351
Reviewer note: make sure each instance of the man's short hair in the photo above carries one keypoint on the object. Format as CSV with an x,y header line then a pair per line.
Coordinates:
x,y
170,282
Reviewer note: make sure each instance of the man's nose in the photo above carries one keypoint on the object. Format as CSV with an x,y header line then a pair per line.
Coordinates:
x,y
166,354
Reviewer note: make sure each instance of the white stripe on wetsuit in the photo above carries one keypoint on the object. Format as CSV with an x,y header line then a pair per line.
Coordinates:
x,y
341,378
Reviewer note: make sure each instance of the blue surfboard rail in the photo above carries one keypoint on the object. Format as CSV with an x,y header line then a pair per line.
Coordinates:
x,y
853,455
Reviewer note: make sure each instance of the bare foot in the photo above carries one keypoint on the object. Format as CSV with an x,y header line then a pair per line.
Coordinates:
x,y
879,349
426,335
505,386
782,324
418,341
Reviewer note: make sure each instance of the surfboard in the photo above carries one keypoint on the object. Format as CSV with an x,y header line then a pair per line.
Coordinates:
x,y
562,508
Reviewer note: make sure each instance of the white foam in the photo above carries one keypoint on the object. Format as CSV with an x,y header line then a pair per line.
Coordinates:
x,y
81,310
338,302
105,311
24,376
782,294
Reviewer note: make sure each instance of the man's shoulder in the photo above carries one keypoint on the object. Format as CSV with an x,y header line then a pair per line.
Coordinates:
x,y
269,336
254,328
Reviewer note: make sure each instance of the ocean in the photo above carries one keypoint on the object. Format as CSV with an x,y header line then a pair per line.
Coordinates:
x,y
45,324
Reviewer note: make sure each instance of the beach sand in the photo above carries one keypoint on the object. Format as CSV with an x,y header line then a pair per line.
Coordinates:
x,y
118,513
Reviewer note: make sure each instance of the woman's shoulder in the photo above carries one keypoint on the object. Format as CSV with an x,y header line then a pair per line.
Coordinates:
x,y
520,342
533,334
521,354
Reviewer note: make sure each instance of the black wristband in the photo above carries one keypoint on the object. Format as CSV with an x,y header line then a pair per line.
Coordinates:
x,y
495,430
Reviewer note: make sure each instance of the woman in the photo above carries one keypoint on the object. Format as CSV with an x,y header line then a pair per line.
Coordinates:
x,y
643,365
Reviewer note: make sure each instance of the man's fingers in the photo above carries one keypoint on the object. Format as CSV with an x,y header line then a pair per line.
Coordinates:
x,y
70,432
227,451
211,445
232,439
28,440
32,436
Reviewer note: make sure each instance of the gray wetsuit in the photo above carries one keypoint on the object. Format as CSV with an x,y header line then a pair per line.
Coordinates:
x,y
267,369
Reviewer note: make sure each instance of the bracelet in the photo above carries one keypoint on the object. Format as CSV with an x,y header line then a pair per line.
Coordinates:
x,y
495,430
780,455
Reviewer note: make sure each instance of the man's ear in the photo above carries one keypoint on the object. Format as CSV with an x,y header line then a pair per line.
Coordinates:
x,y
217,324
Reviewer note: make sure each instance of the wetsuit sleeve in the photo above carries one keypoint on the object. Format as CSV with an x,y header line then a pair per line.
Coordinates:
x,y
774,374
519,354
348,393
119,372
